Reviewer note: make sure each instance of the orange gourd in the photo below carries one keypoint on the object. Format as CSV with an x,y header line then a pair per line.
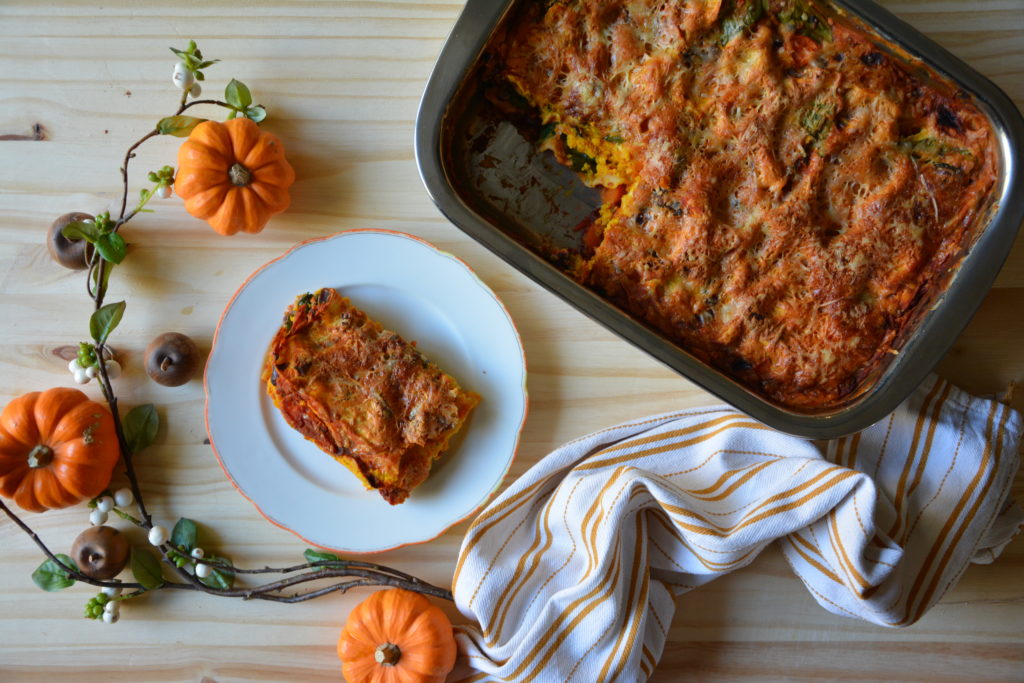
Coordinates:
x,y
233,175
57,448
396,636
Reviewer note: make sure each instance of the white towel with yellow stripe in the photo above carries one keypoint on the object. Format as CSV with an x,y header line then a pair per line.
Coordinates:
x,y
570,574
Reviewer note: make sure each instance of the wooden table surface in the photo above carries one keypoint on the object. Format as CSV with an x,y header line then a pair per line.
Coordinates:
x,y
80,80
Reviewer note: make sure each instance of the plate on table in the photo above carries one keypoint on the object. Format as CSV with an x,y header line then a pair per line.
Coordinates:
x,y
426,296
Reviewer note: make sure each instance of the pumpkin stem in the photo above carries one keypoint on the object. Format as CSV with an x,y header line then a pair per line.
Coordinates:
x,y
240,175
40,456
387,654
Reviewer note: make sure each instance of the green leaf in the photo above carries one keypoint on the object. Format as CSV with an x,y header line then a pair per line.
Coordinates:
x,y
80,230
257,113
104,320
185,534
140,427
740,20
222,579
146,569
320,556
51,577
178,126
232,114
237,94
112,247
200,76
582,163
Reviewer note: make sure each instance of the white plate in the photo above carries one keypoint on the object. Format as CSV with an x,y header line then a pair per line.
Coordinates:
x,y
425,295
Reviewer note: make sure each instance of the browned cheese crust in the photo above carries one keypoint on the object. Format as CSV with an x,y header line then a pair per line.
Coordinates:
x,y
789,198
363,394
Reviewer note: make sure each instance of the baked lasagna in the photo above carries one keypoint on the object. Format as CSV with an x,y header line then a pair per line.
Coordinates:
x,y
783,197
365,396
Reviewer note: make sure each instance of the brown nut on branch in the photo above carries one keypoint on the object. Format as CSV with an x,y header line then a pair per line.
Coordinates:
x,y
101,552
73,254
171,359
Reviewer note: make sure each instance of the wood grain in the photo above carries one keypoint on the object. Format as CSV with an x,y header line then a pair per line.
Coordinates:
x,y
80,80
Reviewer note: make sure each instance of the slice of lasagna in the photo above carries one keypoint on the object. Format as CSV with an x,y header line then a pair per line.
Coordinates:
x,y
363,394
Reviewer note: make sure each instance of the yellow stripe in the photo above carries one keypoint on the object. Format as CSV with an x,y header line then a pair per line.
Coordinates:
x,y
654,438
752,471
912,455
970,515
593,599
527,559
631,596
598,464
773,499
479,527
710,565
811,561
926,451
950,520
854,447
844,560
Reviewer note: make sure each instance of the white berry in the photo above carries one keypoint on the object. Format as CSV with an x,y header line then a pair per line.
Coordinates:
x,y
203,570
163,192
182,77
111,617
157,535
113,369
123,497
97,517
91,371
74,366
196,90
81,377
111,592
112,607
198,553
105,504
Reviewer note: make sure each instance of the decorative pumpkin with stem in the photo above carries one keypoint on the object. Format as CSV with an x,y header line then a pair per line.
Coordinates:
x,y
57,448
396,636
233,175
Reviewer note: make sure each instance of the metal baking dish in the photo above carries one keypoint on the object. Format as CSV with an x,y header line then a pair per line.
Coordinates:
x,y
456,162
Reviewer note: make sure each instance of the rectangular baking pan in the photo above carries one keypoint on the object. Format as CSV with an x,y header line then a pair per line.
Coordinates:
x,y
448,120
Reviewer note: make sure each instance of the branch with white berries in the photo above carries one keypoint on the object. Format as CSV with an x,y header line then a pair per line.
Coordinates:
x,y
101,552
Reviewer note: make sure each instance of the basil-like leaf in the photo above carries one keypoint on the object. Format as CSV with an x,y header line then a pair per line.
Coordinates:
x,y
80,230
178,126
582,163
112,247
146,569
319,556
104,320
740,20
51,577
237,94
185,534
140,427
222,579
257,113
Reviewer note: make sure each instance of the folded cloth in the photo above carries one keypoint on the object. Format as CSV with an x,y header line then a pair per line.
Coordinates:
x,y
570,574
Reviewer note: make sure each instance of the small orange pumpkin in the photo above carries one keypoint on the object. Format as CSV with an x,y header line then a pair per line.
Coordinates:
x,y
233,175
57,448
396,636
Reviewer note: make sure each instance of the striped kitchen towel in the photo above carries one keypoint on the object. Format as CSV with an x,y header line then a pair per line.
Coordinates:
x,y
570,574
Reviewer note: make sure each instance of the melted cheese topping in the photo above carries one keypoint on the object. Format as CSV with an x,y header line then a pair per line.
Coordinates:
x,y
790,197
363,394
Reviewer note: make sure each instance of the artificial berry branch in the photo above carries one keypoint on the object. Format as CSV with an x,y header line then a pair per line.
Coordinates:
x,y
179,551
